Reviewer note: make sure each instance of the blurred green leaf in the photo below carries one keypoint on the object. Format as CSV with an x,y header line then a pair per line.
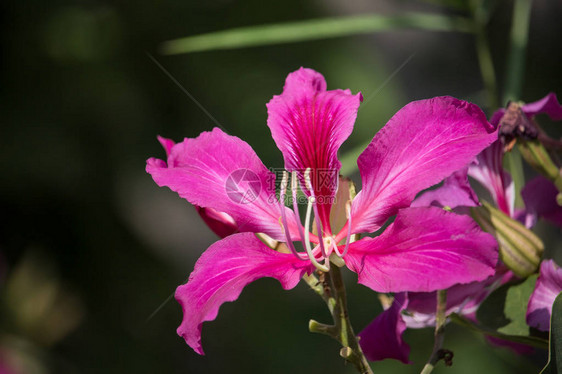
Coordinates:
x,y
528,340
452,4
349,159
516,307
312,30
504,309
555,351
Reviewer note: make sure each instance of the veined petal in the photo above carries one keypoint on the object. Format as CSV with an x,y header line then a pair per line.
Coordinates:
x,y
382,338
221,273
488,170
539,195
423,143
455,192
548,286
309,124
219,171
424,249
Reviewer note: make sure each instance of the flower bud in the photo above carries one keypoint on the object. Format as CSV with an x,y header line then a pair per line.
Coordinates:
x,y
520,249
538,157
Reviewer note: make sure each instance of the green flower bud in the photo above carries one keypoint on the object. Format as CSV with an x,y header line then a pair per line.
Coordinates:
x,y
538,157
520,249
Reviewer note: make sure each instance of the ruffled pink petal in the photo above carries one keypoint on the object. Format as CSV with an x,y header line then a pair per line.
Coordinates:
x,y
167,144
539,195
548,105
382,338
221,273
488,170
455,192
309,124
220,223
219,171
548,286
425,249
422,144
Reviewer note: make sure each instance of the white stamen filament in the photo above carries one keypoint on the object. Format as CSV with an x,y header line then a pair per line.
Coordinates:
x,y
282,193
319,230
326,266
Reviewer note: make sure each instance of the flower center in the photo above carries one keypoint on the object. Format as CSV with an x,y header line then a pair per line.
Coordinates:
x,y
326,245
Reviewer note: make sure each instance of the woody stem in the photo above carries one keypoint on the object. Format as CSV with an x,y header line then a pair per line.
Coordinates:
x,y
331,288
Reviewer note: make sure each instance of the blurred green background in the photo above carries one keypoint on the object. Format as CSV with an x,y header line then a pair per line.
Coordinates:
x,y
90,247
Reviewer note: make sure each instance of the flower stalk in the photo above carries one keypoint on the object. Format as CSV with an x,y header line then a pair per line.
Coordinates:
x,y
438,352
331,288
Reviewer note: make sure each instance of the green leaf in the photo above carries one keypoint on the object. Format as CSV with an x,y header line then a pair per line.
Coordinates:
x,y
313,30
504,309
516,307
555,352
528,340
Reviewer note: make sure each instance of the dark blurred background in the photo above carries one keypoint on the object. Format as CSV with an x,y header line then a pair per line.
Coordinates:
x,y
90,247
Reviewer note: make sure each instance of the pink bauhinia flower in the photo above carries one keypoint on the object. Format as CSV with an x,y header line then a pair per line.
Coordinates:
x,y
417,309
424,249
548,286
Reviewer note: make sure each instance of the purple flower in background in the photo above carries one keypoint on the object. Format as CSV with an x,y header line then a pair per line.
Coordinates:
x,y
424,249
548,286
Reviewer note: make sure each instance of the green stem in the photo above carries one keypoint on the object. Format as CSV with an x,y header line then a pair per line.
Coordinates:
x,y
437,353
331,288
483,51
518,46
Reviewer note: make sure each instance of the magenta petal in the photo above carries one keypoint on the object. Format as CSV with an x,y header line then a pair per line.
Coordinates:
x,y
220,223
455,192
382,338
488,170
539,195
548,105
219,171
309,124
548,286
221,273
425,249
421,145
167,144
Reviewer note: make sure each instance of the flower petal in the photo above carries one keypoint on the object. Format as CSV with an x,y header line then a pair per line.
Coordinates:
x,y
548,105
220,223
219,171
425,249
309,124
488,170
548,286
382,338
539,195
221,273
422,144
455,192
